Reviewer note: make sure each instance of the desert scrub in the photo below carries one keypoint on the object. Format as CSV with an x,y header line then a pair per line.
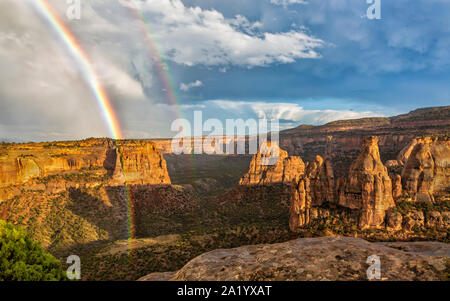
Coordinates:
x,y
405,206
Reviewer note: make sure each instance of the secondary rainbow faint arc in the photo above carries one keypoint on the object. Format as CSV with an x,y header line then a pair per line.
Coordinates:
x,y
100,95
80,56
162,67
92,79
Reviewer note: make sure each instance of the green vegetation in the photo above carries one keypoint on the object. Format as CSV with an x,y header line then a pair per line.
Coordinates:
x,y
211,224
135,263
405,206
85,175
21,259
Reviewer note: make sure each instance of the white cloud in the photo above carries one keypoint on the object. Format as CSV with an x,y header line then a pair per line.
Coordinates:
x,y
43,93
191,36
289,112
187,87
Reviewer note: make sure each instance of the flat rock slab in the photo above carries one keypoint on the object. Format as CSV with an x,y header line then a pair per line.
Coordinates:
x,y
429,248
157,277
324,258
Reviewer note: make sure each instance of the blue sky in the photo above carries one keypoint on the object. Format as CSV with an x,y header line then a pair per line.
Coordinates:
x,y
394,64
300,61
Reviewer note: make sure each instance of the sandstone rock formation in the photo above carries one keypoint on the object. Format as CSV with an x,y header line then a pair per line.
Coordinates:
x,y
404,154
299,211
371,191
394,220
272,165
314,188
321,176
143,164
325,258
413,220
78,192
436,219
368,187
426,174
133,162
397,189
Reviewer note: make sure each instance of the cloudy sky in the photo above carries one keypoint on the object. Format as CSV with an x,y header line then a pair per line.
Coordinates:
x,y
303,62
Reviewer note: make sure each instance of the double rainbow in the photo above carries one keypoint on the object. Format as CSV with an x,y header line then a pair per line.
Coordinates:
x,y
104,103
85,65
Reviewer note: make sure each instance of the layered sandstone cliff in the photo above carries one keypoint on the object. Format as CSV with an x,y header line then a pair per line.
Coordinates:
x,y
426,173
78,192
115,162
272,165
368,187
395,133
314,188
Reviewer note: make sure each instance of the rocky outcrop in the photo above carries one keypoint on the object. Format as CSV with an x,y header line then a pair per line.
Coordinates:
x,y
438,220
325,258
299,211
272,165
368,187
426,174
394,220
394,133
314,188
413,220
321,177
143,164
113,162
397,188
371,190
404,154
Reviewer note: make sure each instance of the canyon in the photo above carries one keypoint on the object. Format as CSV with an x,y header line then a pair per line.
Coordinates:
x,y
367,190
380,179
77,192
307,141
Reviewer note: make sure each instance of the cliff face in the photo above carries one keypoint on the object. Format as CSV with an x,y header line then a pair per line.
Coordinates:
x,y
141,163
266,168
368,187
68,193
394,133
136,162
426,174
313,188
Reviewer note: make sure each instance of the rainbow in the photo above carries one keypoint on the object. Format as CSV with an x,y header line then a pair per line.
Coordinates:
x,y
162,68
99,93
88,71
91,77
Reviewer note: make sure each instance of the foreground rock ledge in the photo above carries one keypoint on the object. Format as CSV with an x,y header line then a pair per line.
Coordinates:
x,y
324,258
